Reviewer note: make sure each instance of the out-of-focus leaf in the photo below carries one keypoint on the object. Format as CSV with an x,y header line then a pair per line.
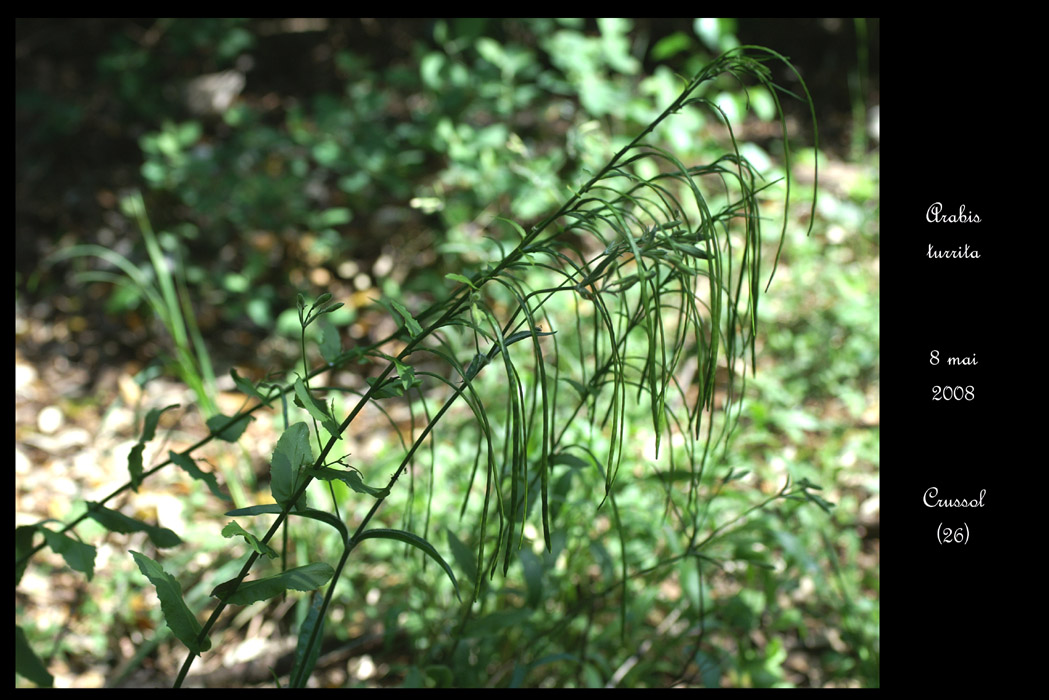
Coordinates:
x,y
149,431
28,664
262,509
459,278
330,344
414,329
78,555
23,546
134,465
231,433
463,556
533,575
245,386
149,428
189,466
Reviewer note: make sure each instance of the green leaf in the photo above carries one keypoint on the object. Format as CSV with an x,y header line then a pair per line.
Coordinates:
x,y
571,460
406,373
336,216
293,451
315,408
330,343
521,335
188,465
418,543
734,475
330,308
149,427
245,386
476,365
303,578
304,664
263,509
324,517
459,278
319,308
442,676
414,329
23,546
533,575
516,226
28,664
79,556
274,509
690,249
390,387
463,555
231,433
233,529
351,478
580,389
177,615
134,465
824,504
115,521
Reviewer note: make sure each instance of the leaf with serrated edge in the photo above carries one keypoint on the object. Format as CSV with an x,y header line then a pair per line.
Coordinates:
x,y
190,467
177,615
303,578
292,451
349,477
149,428
315,408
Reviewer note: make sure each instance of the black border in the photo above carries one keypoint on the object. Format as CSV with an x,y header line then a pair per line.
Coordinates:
x,y
952,614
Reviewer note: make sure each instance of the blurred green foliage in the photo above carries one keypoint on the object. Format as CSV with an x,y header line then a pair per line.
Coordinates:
x,y
488,117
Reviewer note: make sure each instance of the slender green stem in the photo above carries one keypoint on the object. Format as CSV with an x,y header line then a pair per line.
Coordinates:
x,y
355,539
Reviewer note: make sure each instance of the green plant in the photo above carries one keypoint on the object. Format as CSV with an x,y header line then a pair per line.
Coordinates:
x,y
644,282
164,291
